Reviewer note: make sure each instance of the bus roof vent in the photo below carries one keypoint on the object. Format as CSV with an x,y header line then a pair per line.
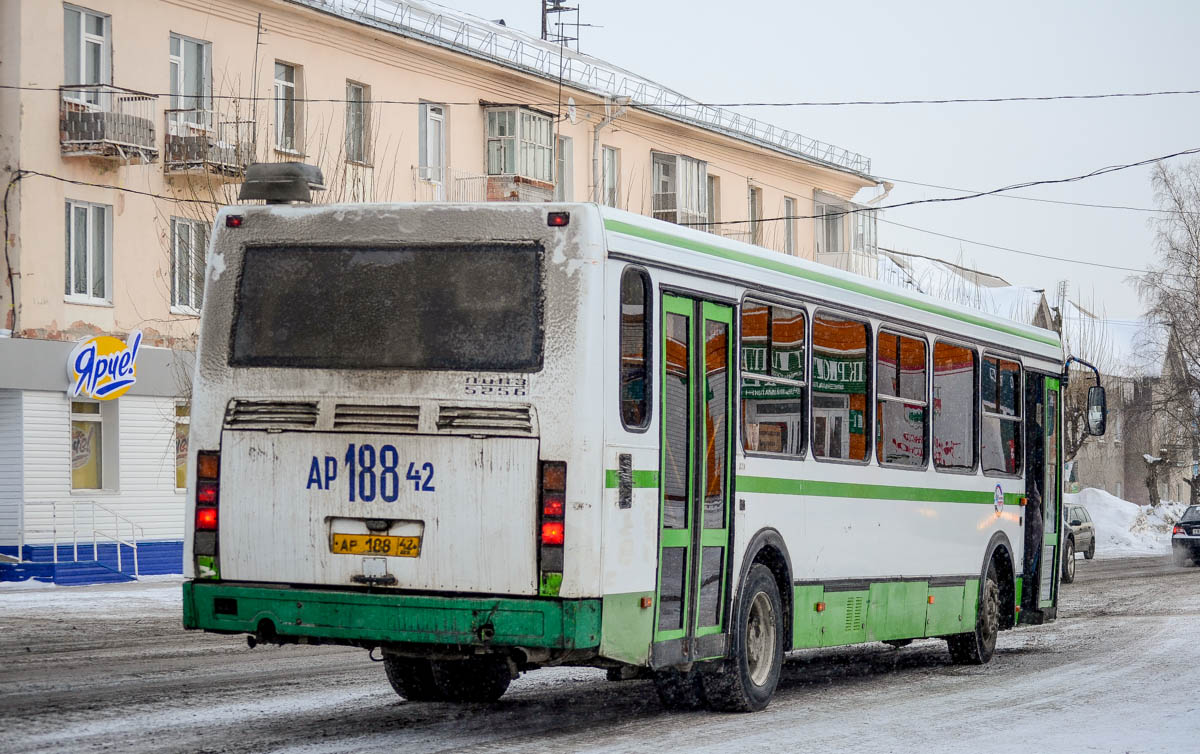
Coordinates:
x,y
361,417
514,420
243,414
282,182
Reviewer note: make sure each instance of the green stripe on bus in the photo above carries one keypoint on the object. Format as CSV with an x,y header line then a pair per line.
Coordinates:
x,y
865,289
646,478
777,486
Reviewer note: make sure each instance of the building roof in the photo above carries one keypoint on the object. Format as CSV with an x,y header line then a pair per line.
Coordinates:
x,y
468,34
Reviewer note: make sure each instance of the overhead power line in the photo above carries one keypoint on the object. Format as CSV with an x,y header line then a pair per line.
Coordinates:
x,y
1041,200
684,105
974,195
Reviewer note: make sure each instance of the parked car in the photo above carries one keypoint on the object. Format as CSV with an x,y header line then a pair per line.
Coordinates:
x,y
1185,537
1081,537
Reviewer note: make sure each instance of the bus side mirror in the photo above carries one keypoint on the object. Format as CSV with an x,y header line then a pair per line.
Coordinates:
x,y
1097,410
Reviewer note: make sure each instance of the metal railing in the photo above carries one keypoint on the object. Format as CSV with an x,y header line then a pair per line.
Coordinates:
x,y
511,48
108,121
448,185
58,531
199,139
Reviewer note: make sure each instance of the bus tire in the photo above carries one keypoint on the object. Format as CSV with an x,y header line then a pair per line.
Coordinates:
x,y
476,679
1068,569
978,646
746,680
678,690
412,678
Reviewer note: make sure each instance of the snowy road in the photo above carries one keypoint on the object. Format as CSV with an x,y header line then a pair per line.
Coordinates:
x,y
1115,674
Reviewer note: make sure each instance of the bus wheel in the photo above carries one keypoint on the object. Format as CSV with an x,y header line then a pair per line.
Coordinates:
x,y
1068,572
477,679
678,690
411,678
746,681
977,647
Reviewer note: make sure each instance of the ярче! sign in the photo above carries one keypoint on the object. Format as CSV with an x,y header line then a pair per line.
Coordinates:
x,y
103,367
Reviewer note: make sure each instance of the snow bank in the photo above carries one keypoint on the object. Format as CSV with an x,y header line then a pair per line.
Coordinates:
x,y
1125,529
151,595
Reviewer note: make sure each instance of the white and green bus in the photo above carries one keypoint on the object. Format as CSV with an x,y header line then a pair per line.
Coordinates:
x,y
484,439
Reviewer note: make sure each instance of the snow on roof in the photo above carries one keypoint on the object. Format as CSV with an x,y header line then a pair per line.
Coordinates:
x,y
472,35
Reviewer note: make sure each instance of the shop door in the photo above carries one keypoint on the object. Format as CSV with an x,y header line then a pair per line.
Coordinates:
x,y
696,411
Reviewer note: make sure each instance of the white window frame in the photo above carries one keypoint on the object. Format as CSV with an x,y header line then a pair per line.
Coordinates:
x,y
94,243
610,175
189,265
564,169
181,65
432,158
680,188
789,225
104,41
107,418
713,191
526,149
358,123
754,212
289,92
830,227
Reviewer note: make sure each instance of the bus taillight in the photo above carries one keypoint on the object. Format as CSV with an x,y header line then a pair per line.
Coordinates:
x,y
204,544
552,529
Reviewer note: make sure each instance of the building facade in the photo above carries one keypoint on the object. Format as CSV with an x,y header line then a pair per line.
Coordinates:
x,y
124,124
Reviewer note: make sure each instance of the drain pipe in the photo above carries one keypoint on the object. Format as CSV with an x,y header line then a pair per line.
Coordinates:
x,y
609,117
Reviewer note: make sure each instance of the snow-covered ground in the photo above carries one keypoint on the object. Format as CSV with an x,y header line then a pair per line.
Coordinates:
x,y
1125,529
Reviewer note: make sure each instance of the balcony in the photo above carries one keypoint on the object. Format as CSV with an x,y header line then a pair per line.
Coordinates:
x,y
665,206
199,142
101,120
449,185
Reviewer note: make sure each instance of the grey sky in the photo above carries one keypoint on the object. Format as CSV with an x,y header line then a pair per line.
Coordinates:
x,y
773,50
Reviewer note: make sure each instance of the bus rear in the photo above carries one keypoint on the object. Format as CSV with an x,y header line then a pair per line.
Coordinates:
x,y
382,448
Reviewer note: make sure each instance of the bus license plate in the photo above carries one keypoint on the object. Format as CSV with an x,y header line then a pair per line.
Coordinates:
x,y
371,544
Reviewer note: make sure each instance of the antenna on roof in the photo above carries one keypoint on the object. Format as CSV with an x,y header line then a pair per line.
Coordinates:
x,y
565,22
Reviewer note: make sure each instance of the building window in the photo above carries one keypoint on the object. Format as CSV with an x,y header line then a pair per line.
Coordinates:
x,y
1000,430
87,51
191,82
564,173
89,252
87,446
635,346
713,194
680,186
773,378
755,214
520,142
789,225
288,120
610,175
901,410
829,223
189,245
358,126
432,142
183,420
840,412
955,407
864,231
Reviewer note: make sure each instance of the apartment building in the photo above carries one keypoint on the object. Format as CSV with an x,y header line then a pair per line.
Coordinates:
x,y
124,124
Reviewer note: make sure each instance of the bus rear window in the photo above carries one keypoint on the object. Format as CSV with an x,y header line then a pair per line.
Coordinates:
x,y
452,307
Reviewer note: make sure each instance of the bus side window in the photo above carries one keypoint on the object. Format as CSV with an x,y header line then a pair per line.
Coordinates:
x,y
773,379
841,411
636,320
1000,432
901,411
955,407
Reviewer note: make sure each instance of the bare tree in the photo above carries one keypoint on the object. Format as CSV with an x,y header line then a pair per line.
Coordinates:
x,y
1171,293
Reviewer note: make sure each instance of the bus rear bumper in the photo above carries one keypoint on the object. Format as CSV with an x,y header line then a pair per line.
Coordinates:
x,y
374,619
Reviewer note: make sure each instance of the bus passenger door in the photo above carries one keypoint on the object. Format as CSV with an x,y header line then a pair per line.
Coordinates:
x,y
693,555
1051,498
